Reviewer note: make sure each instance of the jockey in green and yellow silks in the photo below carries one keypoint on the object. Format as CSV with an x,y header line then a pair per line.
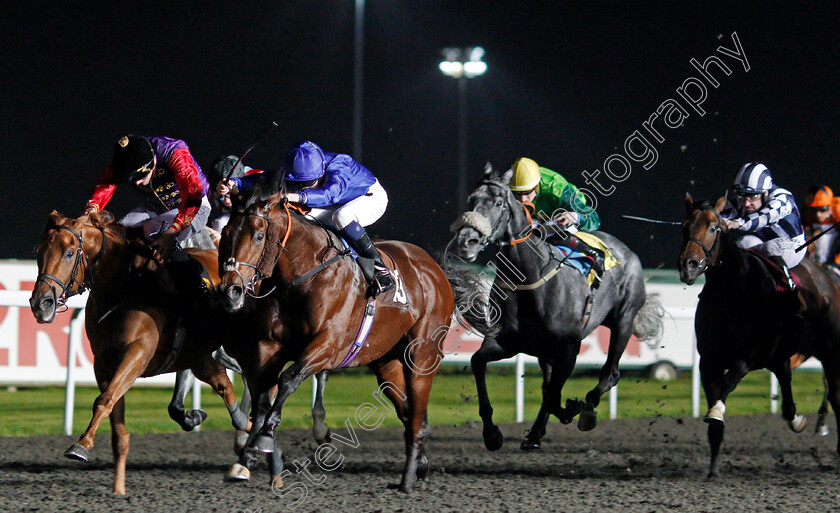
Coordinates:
x,y
557,203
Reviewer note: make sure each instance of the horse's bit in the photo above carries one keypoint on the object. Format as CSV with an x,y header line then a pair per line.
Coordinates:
x,y
232,264
707,252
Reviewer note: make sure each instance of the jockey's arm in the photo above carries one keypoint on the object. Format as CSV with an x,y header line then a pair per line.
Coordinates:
x,y
103,191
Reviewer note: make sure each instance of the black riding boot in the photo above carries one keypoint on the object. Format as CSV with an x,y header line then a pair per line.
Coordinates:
x,y
779,261
381,280
188,274
596,255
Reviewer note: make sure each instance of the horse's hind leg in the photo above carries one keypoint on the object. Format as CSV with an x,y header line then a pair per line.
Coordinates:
x,y
119,444
320,430
490,351
537,432
822,424
782,371
134,361
619,336
188,420
212,373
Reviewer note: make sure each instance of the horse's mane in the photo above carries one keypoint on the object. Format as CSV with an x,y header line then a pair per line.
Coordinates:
x,y
268,184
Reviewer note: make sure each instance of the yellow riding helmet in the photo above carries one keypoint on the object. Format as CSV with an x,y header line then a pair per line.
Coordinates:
x,y
526,175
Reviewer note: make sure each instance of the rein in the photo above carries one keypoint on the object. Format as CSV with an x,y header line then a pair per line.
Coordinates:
x,y
506,209
232,265
81,286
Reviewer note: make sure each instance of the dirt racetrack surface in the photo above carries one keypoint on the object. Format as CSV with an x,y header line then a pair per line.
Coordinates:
x,y
623,465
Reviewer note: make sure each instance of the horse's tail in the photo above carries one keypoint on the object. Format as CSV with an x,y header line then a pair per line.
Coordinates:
x,y
648,323
471,297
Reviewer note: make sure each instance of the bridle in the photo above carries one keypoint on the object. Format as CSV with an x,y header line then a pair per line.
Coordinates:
x,y
707,252
67,290
506,209
232,264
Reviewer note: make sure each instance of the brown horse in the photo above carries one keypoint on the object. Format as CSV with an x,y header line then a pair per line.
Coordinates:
x,y
138,325
319,304
743,324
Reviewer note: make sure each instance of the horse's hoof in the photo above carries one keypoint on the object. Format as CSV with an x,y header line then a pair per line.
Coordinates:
x,y
493,438
422,467
322,436
530,444
715,413
798,424
822,430
239,441
193,418
588,420
264,444
77,452
238,473
277,482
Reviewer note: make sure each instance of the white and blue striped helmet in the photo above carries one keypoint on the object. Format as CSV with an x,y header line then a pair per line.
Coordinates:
x,y
753,178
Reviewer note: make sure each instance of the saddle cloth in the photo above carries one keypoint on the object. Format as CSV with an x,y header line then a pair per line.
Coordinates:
x,y
396,297
778,275
583,263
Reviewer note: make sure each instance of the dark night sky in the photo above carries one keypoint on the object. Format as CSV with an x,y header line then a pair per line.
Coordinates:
x,y
565,86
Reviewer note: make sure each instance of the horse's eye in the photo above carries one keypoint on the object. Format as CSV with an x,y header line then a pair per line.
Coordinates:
x,y
69,253
498,203
259,236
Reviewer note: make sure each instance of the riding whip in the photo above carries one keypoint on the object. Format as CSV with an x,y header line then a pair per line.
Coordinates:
x,y
260,137
645,219
815,237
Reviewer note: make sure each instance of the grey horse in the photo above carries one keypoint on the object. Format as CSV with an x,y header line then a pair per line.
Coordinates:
x,y
540,301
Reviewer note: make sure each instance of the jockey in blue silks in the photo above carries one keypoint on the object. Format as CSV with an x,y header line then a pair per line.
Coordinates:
x,y
340,192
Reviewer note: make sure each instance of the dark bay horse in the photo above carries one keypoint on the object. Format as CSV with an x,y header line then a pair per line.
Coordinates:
x,y
743,324
541,306
138,325
318,305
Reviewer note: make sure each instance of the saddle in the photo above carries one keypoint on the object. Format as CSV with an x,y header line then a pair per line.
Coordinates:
x,y
775,272
583,263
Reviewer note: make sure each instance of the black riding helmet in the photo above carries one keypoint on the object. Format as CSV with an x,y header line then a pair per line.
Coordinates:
x,y
133,158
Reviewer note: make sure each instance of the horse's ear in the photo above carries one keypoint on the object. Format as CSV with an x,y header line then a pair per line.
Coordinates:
x,y
689,201
720,204
54,218
488,170
505,179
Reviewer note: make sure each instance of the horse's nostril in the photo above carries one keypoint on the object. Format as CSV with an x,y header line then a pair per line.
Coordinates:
x,y
692,264
46,304
472,242
234,291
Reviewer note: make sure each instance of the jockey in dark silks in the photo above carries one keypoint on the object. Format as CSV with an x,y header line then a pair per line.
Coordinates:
x,y
165,172
338,191
766,218
558,205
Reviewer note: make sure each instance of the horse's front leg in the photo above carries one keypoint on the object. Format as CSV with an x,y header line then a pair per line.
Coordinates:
x,y
782,371
213,373
532,441
320,430
261,438
619,336
134,361
718,383
490,351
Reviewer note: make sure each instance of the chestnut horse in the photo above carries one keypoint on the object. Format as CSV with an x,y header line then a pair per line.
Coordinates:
x,y
138,325
320,302
743,323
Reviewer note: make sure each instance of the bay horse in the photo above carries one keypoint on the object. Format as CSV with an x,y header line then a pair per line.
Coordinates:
x,y
743,324
541,306
319,302
137,324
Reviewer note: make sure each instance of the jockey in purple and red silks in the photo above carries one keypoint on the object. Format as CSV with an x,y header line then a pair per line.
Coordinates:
x,y
167,174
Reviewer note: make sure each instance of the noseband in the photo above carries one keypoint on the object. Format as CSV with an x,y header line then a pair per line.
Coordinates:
x,y
232,264
486,240
66,286
707,252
